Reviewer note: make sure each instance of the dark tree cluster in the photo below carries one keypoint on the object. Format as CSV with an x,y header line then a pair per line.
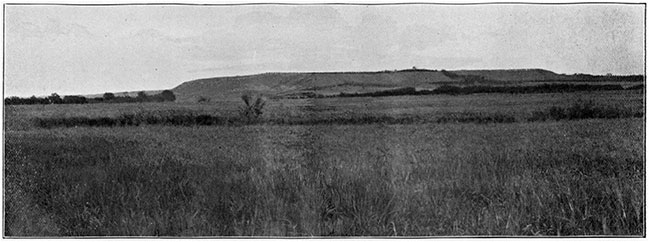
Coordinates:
x,y
165,96
52,99
27,101
457,90
544,88
609,78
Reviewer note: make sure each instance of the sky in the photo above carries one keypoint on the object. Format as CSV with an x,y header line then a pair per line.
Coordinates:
x,y
95,49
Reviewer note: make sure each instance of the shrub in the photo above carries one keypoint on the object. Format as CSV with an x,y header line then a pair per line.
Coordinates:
x,y
168,95
74,99
252,110
55,99
109,96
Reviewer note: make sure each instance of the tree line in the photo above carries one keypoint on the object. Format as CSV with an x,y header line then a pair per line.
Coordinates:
x,y
164,96
456,90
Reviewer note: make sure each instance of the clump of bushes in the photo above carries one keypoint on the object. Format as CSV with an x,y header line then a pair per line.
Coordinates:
x,y
157,117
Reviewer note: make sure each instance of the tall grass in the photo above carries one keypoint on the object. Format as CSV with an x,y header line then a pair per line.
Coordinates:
x,y
584,109
568,178
185,118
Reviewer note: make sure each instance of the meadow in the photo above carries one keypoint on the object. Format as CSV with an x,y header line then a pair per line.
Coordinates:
x,y
542,177
431,107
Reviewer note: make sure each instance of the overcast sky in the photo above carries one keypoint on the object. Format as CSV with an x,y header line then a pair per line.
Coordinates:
x,y
84,50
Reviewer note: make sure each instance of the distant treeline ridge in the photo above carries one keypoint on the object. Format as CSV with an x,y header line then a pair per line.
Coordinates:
x,y
165,96
455,90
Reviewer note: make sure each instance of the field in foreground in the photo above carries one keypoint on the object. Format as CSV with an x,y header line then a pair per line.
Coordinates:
x,y
581,177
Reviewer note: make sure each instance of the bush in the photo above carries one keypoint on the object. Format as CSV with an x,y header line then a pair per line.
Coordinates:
x,y
168,95
109,96
74,99
252,110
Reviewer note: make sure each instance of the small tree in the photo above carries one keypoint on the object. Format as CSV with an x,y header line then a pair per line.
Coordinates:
x,y
253,107
168,95
55,99
109,96
142,96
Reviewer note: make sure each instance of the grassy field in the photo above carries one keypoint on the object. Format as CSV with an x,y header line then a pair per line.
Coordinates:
x,y
519,106
579,177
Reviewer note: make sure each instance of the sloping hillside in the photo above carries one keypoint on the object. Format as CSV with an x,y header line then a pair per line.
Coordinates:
x,y
284,84
513,75
289,85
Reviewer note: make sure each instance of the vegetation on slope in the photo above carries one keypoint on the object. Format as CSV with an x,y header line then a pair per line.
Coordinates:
x,y
321,84
460,90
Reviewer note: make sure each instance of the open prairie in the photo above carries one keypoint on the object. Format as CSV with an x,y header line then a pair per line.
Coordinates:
x,y
266,120
580,176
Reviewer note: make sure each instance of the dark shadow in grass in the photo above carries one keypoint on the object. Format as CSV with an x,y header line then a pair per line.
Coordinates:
x,y
582,109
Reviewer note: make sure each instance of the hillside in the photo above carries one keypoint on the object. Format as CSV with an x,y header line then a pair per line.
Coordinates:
x,y
288,84
514,75
297,85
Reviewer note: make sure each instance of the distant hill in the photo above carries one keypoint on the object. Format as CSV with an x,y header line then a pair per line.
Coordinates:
x,y
286,84
292,85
